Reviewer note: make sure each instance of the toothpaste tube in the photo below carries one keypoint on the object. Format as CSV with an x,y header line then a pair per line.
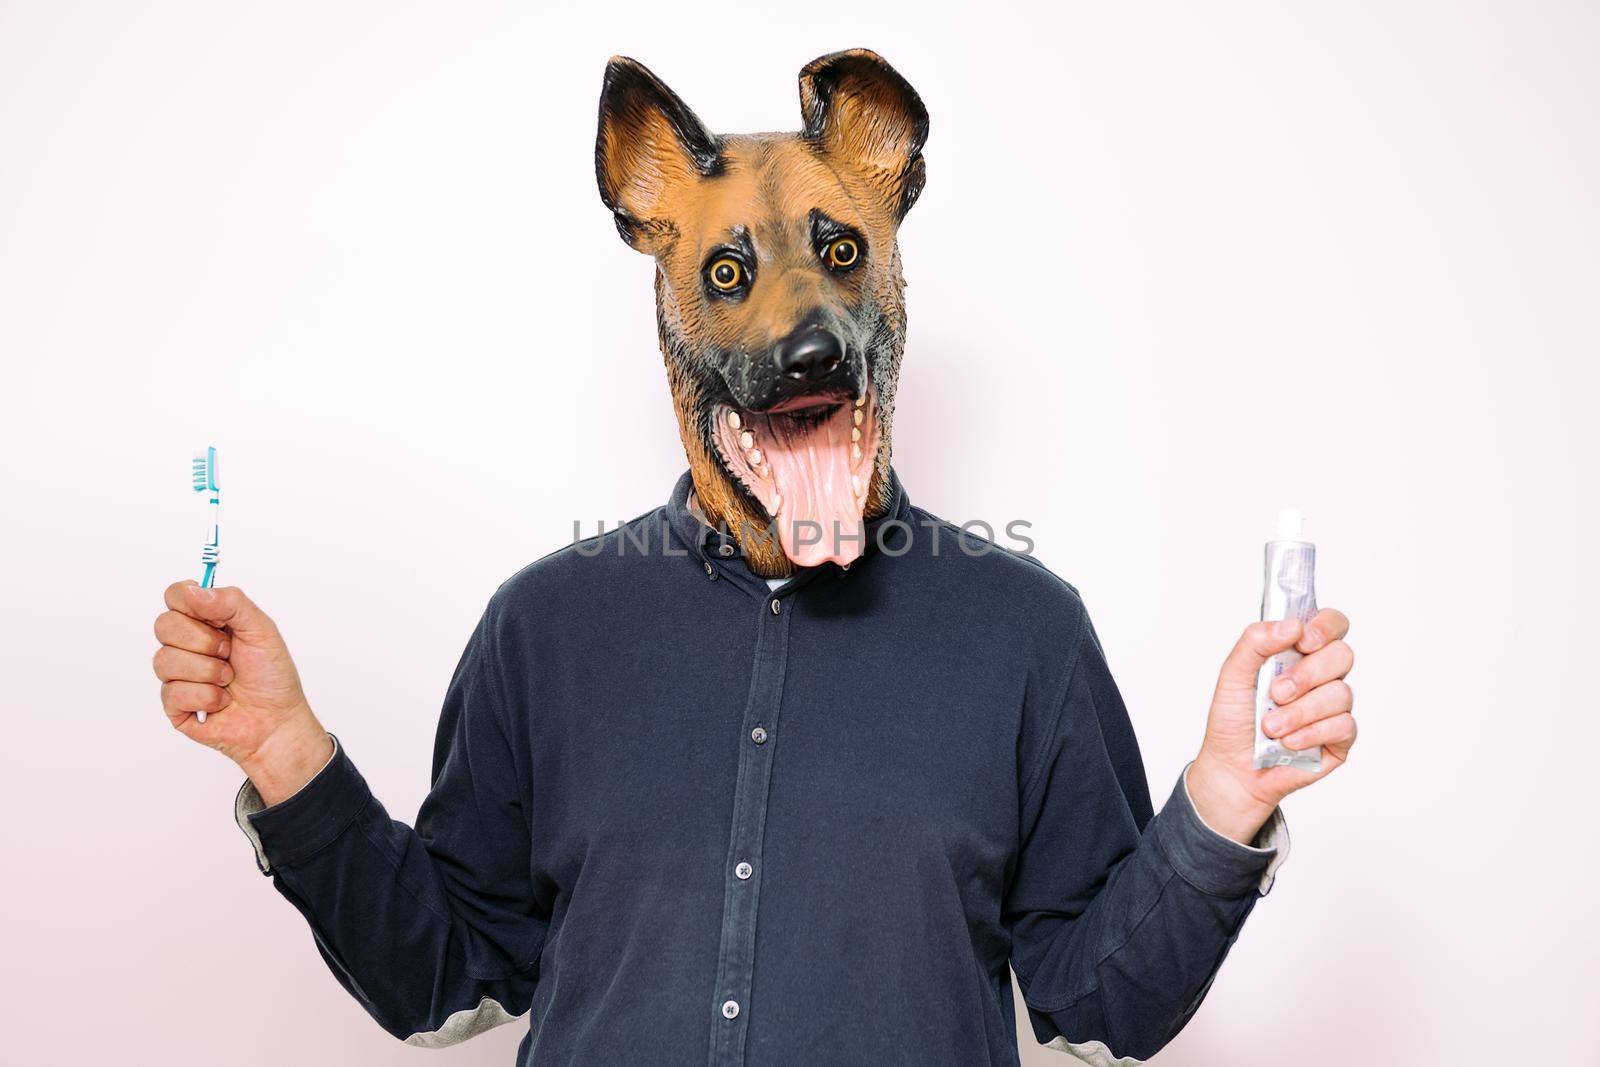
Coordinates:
x,y
1289,591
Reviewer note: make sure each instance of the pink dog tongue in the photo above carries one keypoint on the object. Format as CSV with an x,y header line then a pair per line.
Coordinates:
x,y
820,516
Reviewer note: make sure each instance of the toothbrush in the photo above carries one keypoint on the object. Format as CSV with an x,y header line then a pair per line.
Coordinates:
x,y
204,472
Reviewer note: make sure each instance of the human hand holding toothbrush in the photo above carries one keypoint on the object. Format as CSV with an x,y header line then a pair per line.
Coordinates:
x,y
222,654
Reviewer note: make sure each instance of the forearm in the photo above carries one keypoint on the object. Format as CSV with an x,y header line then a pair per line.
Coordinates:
x,y
1130,970
382,909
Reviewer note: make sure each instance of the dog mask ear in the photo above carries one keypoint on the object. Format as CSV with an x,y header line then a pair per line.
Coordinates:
x,y
649,143
859,109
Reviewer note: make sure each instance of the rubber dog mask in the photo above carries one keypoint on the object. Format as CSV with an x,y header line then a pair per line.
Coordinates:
x,y
780,302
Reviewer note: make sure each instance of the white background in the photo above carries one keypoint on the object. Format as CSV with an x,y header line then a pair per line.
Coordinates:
x,y
1177,265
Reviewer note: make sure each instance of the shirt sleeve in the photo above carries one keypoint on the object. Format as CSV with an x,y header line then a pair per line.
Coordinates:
x,y
1120,919
434,930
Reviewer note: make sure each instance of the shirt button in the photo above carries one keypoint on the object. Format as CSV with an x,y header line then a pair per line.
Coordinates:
x,y
759,735
730,1009
725,551
744,871
776,605
711,572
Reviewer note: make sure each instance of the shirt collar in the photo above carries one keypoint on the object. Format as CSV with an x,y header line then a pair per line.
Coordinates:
x,y
718,548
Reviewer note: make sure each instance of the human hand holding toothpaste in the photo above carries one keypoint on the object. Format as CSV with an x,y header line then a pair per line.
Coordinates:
x,y
222,654
1313,708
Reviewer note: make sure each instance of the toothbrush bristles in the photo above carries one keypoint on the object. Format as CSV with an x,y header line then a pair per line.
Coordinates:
x,y
203,469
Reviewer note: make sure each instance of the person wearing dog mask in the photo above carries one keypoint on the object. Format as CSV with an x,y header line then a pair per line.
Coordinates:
x,y
787,771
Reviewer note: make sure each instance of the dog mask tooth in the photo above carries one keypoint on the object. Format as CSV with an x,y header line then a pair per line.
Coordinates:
x,y
806,465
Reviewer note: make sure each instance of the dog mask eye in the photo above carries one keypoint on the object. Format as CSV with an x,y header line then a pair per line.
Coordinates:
x,y
843,253
725,274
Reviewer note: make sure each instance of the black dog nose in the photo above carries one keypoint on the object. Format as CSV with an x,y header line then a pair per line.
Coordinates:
x,y
809,354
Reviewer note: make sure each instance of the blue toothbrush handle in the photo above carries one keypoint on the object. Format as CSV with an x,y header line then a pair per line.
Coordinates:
x,y
211,551
210,556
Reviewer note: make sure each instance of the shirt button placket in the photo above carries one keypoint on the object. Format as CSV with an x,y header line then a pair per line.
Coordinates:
x,y
736,954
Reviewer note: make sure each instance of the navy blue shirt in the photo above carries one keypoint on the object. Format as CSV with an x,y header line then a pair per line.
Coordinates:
x,y
678,817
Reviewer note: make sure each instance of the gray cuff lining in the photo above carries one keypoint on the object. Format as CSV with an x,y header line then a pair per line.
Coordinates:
x,y
1092,1053
247,802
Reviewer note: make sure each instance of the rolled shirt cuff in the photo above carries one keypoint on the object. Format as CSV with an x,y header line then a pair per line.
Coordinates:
x,y
1213,863
307,822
